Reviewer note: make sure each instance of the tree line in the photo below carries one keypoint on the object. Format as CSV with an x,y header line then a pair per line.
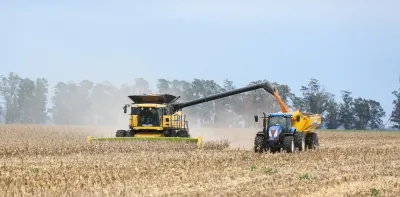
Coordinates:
x,y
25,101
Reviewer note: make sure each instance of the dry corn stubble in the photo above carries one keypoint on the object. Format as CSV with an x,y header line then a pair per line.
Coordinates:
x,y
57,161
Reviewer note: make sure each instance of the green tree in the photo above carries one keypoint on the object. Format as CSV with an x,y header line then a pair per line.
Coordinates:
x,y
41,92
26,101
346,116
9,86
376,114
395,115
367,114
361,113
61,109
315,97
163,86
72,103
332,116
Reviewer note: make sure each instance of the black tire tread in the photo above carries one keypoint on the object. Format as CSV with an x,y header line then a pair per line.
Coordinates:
x,y
312,141
298,136
120,133
287,142
259,143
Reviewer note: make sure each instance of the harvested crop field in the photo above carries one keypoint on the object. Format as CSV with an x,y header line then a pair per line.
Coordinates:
x,y
57,161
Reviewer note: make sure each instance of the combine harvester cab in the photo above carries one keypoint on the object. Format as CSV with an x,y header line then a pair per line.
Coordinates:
x,y
287,130
159,117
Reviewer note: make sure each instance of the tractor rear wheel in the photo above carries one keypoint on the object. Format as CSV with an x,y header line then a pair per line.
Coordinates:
x,y
288,144
312,141
300,141
259,144
120,133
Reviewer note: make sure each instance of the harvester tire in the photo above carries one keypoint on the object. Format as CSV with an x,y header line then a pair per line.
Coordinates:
x,y
312,141
183,133
259,144
300,141
288,144
129,133
120,133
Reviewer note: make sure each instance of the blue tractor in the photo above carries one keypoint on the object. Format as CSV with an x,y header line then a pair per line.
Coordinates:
x,y
278,133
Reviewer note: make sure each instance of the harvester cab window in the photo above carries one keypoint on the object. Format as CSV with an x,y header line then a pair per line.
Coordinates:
x,y
148,117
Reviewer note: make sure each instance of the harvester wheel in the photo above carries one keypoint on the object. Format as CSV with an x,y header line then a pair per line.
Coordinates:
x,y
129,133
312,141
183,133
120,133
300,141
288,143
259,144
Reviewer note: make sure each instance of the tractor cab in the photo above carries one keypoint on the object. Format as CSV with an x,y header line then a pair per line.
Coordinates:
x,y
281,121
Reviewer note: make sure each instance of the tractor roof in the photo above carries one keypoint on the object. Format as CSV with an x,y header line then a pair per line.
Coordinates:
x,y
280,114
156,99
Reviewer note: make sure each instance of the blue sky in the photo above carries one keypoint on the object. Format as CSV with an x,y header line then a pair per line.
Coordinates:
x,y
346,45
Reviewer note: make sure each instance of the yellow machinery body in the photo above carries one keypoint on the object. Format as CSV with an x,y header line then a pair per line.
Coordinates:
x,y
303,122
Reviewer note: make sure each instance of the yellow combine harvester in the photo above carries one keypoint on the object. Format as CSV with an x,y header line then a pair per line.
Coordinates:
x,y
287,130
159,117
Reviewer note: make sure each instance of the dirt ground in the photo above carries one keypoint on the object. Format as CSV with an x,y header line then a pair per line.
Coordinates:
x,y
57,161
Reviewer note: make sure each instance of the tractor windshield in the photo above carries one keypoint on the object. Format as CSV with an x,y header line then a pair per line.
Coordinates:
x,y
148,116
277,120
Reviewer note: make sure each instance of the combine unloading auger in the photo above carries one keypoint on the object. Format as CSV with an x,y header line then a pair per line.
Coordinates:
x,y
159,117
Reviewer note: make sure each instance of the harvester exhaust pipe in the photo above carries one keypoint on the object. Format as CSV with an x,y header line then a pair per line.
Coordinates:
x,y
266,86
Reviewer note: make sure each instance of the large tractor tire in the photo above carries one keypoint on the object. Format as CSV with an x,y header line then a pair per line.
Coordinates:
x,y
120,133
259,144
300,141
312,141
288,144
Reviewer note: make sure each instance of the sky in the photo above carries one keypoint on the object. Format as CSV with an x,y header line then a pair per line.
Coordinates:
x,y
346,45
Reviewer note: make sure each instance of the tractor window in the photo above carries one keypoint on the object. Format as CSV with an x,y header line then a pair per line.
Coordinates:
x,y
277,120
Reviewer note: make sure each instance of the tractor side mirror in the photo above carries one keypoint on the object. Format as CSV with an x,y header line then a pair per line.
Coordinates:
x,y
167,120
125,109
298,118
256,118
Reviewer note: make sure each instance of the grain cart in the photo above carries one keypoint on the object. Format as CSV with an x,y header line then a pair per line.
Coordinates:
x,y
287,130
159,117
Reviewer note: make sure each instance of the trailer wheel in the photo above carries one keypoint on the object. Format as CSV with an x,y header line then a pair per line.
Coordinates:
x,y
120,133
300,141
259,144
288,144
312,141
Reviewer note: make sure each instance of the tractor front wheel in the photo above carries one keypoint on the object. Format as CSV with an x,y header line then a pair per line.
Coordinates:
x,y
120,133
288,143
259,144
